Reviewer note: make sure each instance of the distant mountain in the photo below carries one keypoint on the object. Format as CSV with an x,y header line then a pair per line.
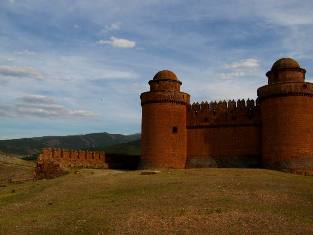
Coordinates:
x,y
130,148
32,146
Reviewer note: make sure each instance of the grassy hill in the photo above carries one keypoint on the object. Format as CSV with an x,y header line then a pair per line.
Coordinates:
x,y
130,148
13,169
194,201
32,146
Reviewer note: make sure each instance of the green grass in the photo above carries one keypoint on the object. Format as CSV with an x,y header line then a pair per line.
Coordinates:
x,y
195,201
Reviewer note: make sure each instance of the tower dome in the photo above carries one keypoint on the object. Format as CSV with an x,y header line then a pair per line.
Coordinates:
x,y
285,70
165,75
285,63
165,80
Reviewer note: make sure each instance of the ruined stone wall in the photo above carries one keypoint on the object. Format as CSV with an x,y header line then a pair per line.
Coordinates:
x,y
224,134
74,158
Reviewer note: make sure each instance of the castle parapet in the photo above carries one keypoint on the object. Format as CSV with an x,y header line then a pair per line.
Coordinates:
x,y
223,113
285,89
164,97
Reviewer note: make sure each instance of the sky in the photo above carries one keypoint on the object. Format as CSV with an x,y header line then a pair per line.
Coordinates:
x,y
79,66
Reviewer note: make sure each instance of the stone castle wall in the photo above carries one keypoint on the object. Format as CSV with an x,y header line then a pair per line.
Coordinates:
x,y
164,130
287,131
168,137
224,134
74,158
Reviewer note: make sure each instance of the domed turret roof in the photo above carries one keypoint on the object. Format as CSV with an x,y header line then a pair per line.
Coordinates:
x,y
285,63
286,70
165,74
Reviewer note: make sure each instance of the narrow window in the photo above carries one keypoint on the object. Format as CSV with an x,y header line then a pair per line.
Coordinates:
x,y
174,130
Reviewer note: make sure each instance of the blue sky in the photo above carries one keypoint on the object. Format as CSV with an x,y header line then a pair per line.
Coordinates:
x,y
71,67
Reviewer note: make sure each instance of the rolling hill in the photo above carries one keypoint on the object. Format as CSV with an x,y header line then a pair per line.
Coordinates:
x,y
27,147
130,148
14,170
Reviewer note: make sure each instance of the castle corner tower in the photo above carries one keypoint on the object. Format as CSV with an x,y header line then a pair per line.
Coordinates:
x,y
164,133
287,118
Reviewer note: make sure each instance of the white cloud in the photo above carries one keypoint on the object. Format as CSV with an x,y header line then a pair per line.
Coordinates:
x,y
43,107
241,68
286,13
108,74
51,111
38,99
25,52
231,75
14,71
113,26
249,63
118,42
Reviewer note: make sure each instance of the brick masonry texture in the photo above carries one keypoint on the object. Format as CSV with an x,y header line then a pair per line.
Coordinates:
x,y
275,131
74,158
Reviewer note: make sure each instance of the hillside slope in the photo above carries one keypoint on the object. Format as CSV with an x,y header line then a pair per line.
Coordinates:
x,y
13,169
129,148
32,146
195,201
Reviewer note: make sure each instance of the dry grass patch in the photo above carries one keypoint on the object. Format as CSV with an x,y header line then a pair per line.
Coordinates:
x,y
195,201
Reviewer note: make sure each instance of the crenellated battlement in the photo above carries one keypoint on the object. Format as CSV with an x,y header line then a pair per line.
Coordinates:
x,y
74,158
223,113
229,105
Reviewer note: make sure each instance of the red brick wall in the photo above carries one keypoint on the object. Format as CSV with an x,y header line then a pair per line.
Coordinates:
x,y
287,133
75,158
164,133
224,134
160,147
224,146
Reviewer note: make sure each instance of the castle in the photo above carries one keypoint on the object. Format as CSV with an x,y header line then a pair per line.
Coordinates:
x,y
275,131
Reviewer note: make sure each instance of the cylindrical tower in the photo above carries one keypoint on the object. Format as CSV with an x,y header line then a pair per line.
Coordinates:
x,y
164,133
287,118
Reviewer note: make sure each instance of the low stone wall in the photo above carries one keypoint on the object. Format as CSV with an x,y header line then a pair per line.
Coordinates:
x,y
75,158
54,162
